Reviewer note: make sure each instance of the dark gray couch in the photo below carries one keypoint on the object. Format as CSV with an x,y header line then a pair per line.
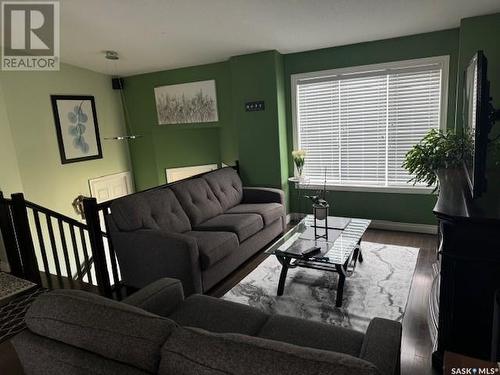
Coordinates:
x,y
157,331
198,230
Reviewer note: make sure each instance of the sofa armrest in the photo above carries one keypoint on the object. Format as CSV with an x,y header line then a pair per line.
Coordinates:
x,y
161,297
263,195
382,345
147,255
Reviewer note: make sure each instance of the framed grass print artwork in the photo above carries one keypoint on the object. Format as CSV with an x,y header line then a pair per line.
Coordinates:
x,y
76,126
187,103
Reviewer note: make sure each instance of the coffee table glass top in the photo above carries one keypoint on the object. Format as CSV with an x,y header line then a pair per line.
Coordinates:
x,y
336,249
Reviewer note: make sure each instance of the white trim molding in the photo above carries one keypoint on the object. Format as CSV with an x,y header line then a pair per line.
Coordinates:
x,y
404,227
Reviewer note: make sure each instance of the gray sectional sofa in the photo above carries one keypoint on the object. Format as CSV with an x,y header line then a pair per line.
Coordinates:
x,y
197,230
157,331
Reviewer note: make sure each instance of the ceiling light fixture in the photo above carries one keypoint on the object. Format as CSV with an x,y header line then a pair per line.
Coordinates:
x,y
117,84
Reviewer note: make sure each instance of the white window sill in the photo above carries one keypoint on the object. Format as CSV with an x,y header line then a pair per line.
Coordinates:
x,y
370,189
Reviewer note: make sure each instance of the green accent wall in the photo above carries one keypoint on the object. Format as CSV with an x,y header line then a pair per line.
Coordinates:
x,y
261,140
481,33
178,145
262,143
409,208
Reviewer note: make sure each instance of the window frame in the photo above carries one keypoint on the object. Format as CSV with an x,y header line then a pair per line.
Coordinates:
x,y
443,61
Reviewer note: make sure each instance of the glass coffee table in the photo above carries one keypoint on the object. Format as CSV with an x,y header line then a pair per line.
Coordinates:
x,y
337,249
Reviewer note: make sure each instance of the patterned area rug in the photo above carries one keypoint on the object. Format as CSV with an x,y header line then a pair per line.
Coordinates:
x,y
12,313
379,287
11,285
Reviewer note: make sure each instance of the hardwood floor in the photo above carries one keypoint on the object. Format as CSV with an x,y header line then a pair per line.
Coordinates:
x,y
416,344
416,347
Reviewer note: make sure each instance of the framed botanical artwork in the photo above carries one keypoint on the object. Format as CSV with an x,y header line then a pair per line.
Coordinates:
x,y
76,126
186,103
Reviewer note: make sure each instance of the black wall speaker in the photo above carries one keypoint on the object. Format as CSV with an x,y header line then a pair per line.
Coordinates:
x,y
117,83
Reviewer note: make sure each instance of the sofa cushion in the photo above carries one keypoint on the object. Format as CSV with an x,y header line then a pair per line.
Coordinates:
x,y
217,315
227,186
156,209
316,335
269,211
244,225
102,326
197,199
213,246
43,356
194,351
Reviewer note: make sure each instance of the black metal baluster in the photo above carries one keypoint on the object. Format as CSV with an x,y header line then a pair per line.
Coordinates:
x,y
54,249
43,250
75,252
65,251
88,266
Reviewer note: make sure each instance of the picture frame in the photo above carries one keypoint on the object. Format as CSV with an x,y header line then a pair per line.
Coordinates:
x,y
77,129
187,103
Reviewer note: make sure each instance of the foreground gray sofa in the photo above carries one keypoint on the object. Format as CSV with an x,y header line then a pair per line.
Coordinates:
x,y
157,331
197,230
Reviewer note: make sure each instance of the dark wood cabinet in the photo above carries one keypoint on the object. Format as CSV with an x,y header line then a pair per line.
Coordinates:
x,y
468,274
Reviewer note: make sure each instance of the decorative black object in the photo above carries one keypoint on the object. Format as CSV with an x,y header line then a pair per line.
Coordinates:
x,y
478,118
76,126
467,275
255,106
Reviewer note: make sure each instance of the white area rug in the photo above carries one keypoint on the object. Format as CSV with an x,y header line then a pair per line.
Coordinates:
x,y
379,287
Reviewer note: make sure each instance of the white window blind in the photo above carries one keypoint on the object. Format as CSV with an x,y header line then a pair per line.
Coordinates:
x,y
358,126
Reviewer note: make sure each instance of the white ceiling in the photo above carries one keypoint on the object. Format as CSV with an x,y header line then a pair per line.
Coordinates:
x,y
155,35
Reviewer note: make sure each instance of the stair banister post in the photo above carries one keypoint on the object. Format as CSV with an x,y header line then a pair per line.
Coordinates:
x,y
24,239
97,246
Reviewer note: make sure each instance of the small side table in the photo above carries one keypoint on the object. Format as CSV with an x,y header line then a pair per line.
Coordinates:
x,y
297,181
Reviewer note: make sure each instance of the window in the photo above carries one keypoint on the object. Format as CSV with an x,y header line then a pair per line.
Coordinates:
x,y
357,124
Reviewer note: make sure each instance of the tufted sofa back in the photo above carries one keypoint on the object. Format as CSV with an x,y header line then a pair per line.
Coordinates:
x,y
197,199
157,209
226,185
180,206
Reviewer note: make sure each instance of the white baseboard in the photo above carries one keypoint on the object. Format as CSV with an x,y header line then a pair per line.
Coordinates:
x,y
404,227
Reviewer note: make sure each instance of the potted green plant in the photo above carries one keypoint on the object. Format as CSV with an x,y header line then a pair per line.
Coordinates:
x,y
437,158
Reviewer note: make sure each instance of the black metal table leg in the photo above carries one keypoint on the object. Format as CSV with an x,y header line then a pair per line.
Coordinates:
x,y
340,286
285,262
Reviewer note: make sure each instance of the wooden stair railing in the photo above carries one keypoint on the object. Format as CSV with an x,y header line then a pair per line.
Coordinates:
x,y
67,253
